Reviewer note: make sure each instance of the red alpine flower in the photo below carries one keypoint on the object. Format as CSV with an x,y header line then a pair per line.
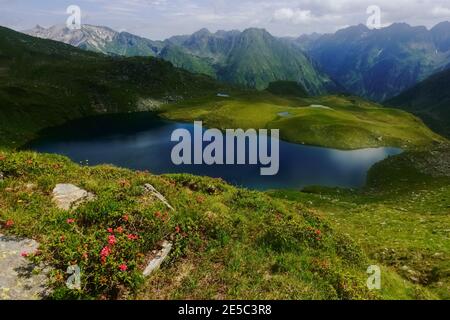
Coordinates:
x,y
106,251
123,267
112,240
132,237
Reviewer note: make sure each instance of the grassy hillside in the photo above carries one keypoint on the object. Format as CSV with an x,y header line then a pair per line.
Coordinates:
x,y
429,100
44,83
228,242
330,121
401,218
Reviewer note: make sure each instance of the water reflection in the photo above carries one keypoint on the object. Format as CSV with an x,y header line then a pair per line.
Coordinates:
x,y
142,141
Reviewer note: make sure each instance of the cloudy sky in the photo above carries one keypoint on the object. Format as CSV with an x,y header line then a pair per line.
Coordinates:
x,y
159,19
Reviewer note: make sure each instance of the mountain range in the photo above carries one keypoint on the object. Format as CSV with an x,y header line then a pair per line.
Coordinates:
x,y
252,58
100,39
380,63
376,64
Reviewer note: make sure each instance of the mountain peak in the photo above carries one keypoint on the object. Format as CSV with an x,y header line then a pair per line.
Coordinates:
x,y
441,26
202,32
398,26
255,30
256,33
353,31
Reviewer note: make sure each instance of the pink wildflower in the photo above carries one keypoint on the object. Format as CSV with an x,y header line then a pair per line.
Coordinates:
x,y
123,267
112,240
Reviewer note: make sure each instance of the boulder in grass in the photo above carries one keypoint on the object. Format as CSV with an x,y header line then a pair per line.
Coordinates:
x,y
69,196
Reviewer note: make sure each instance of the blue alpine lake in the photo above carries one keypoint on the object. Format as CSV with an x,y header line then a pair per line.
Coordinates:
x,y
142,141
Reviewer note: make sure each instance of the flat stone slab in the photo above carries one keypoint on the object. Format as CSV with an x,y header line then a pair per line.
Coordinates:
x,y
18,281
69,196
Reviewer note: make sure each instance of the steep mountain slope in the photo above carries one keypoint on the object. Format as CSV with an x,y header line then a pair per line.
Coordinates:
x,y
44,83
252,58
178,57
441,36
430,100
287,88
379,64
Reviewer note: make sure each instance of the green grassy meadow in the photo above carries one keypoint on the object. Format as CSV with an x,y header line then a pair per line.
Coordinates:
x,y
230,242
330,121
401,218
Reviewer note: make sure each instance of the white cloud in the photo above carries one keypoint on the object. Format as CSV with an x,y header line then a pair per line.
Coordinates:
x,y
440,11
159,19
295,16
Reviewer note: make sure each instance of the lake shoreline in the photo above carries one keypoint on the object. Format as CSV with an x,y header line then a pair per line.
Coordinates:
x,y
141,141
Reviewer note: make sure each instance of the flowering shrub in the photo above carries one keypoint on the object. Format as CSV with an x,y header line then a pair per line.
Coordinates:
x,y
111,255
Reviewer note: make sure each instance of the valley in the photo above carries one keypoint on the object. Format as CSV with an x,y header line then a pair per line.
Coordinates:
x,y
294,241
378,65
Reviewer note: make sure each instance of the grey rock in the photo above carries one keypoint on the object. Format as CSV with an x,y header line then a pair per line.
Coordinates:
x,y
18,277
68,196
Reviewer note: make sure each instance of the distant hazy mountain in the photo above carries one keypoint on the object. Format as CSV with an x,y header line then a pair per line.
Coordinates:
x,y
100,39
429,100
380,64
251,58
